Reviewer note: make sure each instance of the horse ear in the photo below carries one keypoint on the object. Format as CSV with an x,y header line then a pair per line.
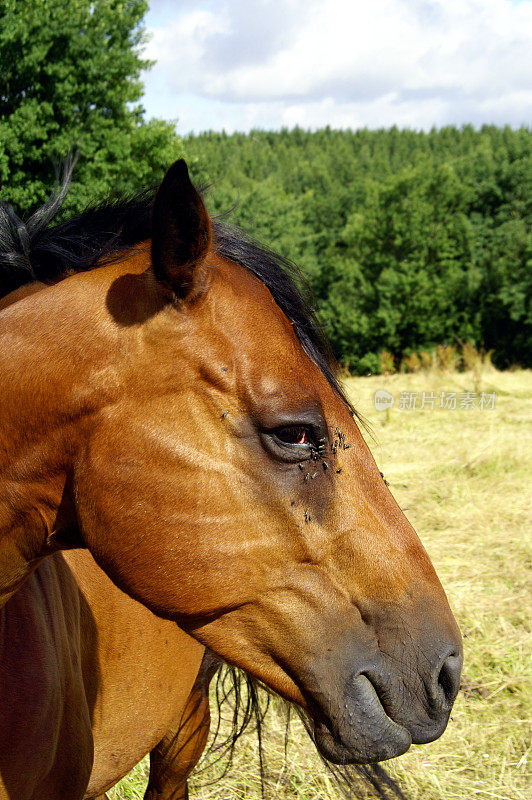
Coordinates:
x,y
181,233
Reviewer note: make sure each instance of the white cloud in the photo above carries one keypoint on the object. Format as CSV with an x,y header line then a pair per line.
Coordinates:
x,y
239,64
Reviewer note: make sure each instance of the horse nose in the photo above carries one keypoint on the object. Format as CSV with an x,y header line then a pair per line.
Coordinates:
x,y
441,685
445,681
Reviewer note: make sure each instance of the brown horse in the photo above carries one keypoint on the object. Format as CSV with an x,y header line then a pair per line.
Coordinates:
x,y
166,404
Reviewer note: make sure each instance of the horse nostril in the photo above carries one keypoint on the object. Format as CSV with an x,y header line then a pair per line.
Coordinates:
x,y
449,677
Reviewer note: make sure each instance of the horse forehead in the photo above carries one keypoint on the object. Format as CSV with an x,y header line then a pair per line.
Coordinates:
x,y
239,290
252,320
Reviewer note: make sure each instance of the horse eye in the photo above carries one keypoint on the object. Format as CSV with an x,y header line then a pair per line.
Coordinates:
x,y
294,443
293,434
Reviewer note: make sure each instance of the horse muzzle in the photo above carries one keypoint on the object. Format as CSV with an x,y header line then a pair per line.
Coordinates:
x,y
363,733
381,711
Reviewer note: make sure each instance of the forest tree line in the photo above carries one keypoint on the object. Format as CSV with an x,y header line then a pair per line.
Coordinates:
x,y
408,240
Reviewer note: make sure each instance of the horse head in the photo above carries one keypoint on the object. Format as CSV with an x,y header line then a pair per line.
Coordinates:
x,y
218,475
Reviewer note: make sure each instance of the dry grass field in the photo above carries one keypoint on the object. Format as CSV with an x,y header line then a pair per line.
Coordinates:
x,y
463,477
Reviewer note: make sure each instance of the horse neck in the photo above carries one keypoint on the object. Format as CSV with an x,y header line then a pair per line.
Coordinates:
x,y
59,359
20,293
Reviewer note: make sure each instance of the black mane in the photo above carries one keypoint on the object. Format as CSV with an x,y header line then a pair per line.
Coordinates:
x,y
36,251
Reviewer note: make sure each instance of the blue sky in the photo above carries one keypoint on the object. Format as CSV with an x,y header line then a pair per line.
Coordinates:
x,y
242,64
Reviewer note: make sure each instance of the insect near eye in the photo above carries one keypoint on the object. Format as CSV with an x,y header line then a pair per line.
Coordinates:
x,y
293,434
293,442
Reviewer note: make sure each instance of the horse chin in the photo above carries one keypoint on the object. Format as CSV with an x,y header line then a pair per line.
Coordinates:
x,y
363,733
362,751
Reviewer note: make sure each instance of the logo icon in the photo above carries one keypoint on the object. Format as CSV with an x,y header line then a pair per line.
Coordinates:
x,y
383,400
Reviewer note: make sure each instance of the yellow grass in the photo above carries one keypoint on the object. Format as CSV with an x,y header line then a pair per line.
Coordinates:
x,y
463,477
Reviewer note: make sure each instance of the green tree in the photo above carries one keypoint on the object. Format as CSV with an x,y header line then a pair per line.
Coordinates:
x,y
408,239
70,79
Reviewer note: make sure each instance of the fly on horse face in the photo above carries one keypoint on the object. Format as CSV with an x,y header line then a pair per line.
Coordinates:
x,y
169,420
